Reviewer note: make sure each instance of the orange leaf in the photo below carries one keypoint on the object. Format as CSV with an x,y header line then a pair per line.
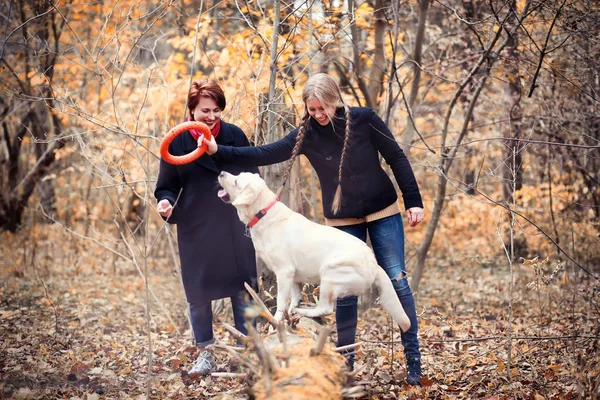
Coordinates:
x,y
426,381
565,279
501,366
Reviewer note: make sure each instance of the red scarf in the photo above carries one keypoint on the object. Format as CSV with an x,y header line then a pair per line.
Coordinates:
x,y
214,131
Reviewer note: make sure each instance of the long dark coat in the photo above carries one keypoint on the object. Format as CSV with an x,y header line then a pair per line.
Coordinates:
x,y
216,256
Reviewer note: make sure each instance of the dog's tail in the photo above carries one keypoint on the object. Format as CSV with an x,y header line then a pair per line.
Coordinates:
x,y
389,300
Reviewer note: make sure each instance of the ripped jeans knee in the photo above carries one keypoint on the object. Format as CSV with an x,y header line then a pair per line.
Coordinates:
x,y
400,282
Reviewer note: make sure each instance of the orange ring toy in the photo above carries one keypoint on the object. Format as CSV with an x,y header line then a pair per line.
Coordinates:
x,y
176,131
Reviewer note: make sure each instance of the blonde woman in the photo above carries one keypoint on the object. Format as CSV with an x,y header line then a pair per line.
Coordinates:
x,y
343,144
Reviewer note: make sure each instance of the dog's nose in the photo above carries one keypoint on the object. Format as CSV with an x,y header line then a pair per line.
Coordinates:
x,y
222,173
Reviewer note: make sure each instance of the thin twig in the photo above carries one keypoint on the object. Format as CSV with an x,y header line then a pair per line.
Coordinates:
x,y
147,272
229,375
410,116
528,141
237,334
282,335
348,347
267,313
543,51
321,340
485,338
264,356
354,392
47,292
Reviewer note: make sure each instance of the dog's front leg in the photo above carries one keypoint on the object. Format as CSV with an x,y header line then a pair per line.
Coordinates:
x,y
284,287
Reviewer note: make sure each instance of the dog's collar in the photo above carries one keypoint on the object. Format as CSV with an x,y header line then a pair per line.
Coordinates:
x,y
262,213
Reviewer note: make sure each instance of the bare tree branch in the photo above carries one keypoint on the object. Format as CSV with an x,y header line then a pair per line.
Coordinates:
x,y
543,50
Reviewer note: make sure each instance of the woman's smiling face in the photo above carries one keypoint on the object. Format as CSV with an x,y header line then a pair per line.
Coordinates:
x,y
207,111
318,111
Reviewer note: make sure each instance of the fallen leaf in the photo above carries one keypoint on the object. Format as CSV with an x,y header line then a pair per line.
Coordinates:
x,y
425,382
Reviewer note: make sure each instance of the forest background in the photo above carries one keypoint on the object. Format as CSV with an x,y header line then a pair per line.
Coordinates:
x,y
495,102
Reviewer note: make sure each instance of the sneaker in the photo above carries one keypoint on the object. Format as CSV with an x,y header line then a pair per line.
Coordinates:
x,y
414,372
204,364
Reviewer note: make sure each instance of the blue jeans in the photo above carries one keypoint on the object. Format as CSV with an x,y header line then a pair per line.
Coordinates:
x,y
201,317
387,239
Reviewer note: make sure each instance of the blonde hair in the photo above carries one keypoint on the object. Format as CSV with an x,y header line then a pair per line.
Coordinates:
x,y
325,89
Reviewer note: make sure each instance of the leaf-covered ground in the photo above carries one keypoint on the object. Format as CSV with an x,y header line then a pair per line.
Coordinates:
x,y
73,325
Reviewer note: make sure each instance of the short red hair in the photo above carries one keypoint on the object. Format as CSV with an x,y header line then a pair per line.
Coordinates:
x,y
206,88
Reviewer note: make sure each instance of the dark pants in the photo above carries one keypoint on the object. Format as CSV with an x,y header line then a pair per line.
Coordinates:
x,y
387,239
201,317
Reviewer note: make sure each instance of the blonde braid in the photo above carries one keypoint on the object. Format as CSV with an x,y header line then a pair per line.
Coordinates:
x,y
337,198
299,139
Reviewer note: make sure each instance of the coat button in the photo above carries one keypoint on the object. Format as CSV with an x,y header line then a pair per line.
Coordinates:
x,y
328,158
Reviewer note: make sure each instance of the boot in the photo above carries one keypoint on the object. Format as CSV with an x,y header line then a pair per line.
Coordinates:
x,y
414,372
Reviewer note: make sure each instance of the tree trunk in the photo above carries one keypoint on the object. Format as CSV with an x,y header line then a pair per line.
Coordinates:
x,y
273,174
378,69
414,89
45,186
297,362
469,175
512,171
356,51
436,213
313,180
296,202
38,120
304,374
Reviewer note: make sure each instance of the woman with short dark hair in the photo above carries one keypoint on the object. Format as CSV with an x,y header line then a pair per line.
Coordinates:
x,y
187,196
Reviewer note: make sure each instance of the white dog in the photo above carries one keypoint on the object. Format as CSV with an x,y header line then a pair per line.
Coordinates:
x,y
298,250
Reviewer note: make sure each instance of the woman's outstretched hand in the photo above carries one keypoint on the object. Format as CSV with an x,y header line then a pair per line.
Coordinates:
x,y
212,144
415,216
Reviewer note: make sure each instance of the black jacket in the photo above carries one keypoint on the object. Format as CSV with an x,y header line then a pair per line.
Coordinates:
x,y
216,256
366,188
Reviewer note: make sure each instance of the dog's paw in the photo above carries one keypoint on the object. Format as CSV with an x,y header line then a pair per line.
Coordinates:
x,y
300,311
278,316
271,329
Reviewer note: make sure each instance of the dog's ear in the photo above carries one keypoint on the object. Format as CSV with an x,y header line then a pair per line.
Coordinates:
x,y
248,194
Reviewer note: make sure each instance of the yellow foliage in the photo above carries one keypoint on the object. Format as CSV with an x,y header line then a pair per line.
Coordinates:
x,y
520,6
362,15
179,58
